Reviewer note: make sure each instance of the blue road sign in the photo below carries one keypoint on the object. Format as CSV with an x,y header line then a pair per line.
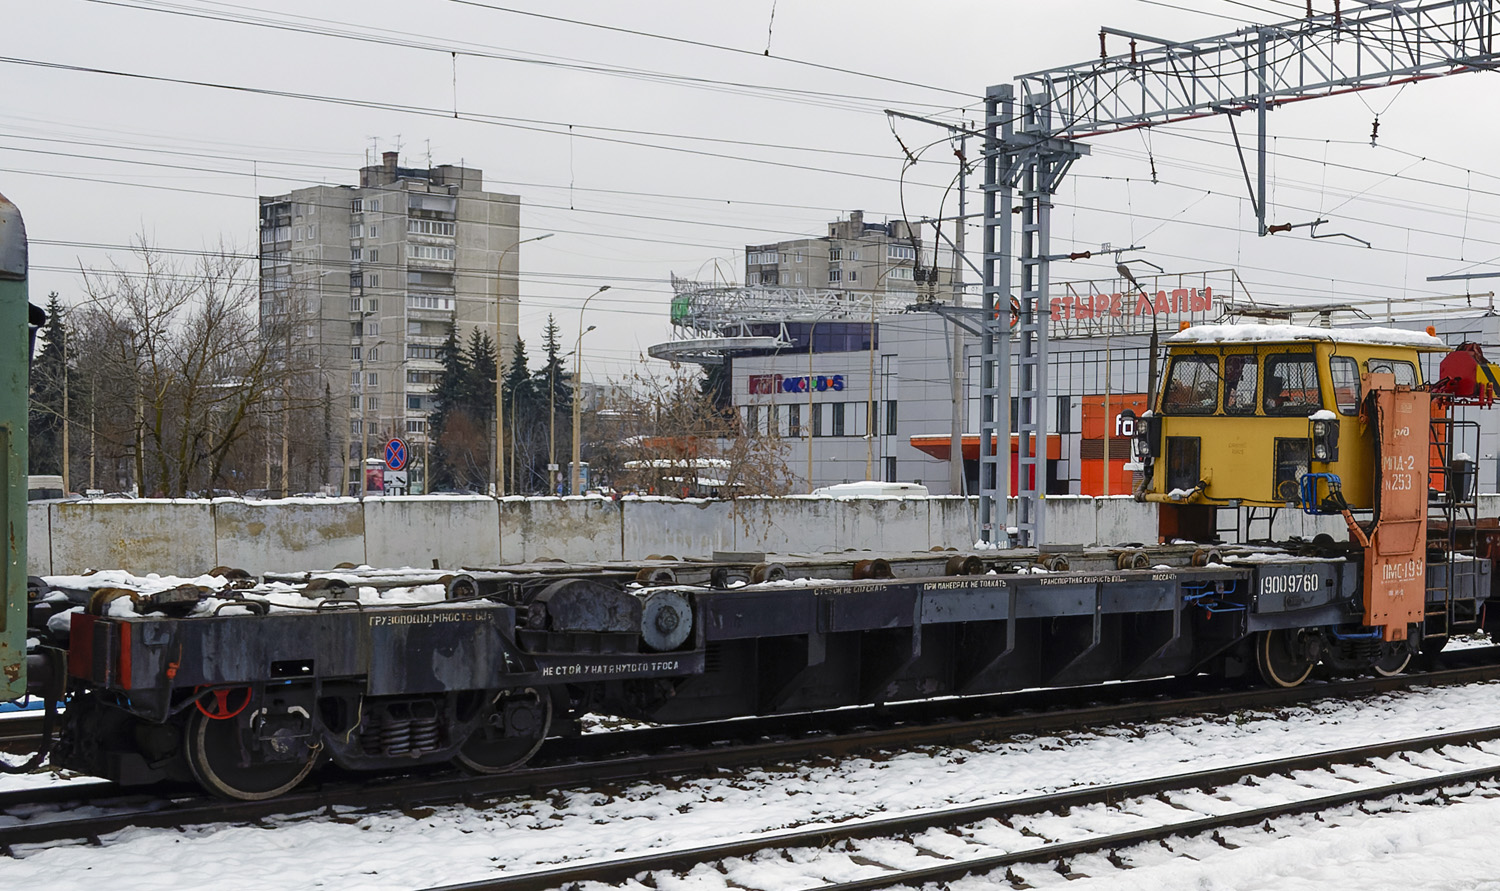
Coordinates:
x,y
395,454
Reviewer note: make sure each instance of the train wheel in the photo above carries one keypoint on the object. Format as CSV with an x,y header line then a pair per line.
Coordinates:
x,y
514,726
1282,657
221,763
1392,662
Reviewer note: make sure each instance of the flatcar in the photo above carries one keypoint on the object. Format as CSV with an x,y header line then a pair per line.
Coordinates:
x,y
246,690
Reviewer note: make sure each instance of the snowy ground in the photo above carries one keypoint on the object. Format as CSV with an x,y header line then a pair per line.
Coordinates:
x,y
1449,847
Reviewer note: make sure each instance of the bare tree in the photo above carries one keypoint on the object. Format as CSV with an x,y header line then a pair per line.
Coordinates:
x,y
665,434
181,368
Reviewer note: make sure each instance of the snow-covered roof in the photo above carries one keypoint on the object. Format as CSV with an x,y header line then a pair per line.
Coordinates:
x,y
1209,334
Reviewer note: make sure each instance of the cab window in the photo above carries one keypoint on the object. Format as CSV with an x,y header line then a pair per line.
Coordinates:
x,y
1192,385
1291,385
1344,372
1405,372
1241,375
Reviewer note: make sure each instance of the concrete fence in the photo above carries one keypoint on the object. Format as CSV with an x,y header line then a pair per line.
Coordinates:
x,y
190,537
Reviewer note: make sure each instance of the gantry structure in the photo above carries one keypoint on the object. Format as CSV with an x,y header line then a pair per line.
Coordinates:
x,y
1034,131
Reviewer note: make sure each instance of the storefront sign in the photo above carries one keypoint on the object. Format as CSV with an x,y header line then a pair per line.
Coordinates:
x,y
771,384
1083,314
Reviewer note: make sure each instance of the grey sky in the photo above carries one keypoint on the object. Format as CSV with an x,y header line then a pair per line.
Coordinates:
x,y
711,149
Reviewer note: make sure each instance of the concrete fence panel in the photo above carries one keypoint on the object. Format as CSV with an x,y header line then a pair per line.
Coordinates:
x,y
952,522
692,528
262,536
570,529
38,539
416,531
821,525
1069,520
149,535
1120,519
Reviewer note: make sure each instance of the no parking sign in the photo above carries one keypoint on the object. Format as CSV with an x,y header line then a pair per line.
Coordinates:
x,y
396,454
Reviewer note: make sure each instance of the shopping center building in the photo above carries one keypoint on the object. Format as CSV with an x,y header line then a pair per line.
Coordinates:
x,y
861,387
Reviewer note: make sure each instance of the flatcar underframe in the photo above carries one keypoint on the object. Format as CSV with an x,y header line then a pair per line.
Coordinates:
x,y
246,705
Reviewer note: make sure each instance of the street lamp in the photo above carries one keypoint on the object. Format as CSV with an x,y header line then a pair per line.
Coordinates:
x,y
578,385
500,364
552,480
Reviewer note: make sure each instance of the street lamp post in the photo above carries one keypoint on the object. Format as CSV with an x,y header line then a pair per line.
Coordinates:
x,y
552,480
577,386
500,364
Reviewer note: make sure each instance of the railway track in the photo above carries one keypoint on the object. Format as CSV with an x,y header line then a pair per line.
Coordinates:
x,y
89,811
949,844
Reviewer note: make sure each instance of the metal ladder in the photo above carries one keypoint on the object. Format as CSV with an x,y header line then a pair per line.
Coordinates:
x,y
1452,608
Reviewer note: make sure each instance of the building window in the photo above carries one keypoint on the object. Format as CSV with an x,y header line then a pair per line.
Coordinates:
x,y
374,231
414,425
374,255
354,256
752,419
354,354
374,204
799,278
312,231
372,403
854,275
429,227
798,256
373,354
890,423
890,469
356,231
354,427
429,252
354,402
421,351
900,273
297,234
853,254
838,419
900,252
414,403
372,279
373,305
354,305
835,275
794,420
816,411
357,205
833,254
421,377
372,378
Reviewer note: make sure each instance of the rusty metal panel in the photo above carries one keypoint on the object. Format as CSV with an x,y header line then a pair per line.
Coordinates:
x,y
1396,561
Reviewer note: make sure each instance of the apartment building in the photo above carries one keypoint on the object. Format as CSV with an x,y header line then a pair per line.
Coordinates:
x,y
368,279
860,257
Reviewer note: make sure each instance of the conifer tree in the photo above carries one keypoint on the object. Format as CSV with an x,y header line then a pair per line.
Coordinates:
x,y
48,377
448,398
